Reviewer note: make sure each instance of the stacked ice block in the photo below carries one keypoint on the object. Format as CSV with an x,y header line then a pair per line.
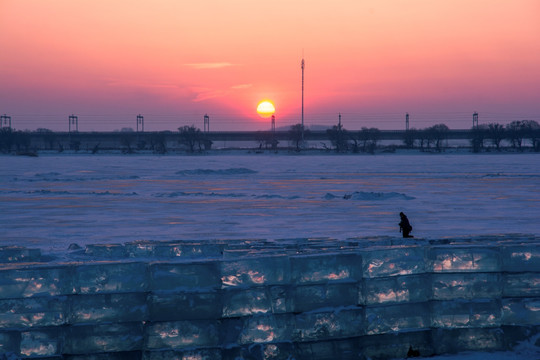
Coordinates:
x,y
258,299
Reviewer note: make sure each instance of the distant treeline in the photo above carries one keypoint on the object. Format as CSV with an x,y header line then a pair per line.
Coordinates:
x,y
522,135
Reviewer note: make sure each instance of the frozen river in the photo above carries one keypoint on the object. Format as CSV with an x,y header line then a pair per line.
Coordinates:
x,y
55,200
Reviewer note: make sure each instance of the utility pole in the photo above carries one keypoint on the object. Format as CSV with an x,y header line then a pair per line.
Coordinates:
x,y
273,125
5,121
339,122
475,120
407,121
73,120
303,65
140,121
206,123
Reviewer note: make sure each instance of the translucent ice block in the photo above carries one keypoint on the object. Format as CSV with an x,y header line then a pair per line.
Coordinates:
x,y
395,318
33,312
521,284
110,277
266,328
35,281
396,289
522,311
448,286
116,337
185,276
521,258
10,254
466,314
268,270
245,302
99,308
185,306
393,261
41,343
464,259
182,334
311,297
312,269
314,326
476,339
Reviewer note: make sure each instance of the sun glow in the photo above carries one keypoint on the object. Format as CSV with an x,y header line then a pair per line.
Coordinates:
x,y
265,109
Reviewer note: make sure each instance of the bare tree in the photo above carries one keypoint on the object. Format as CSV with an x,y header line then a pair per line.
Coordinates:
x,y
479,134
515,132
190,136
295,135
338,137
496,134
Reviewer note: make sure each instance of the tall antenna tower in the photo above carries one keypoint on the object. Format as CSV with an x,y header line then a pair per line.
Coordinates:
x,y
73,120
206,123
475,120
407,121
140,121
303,66
5,121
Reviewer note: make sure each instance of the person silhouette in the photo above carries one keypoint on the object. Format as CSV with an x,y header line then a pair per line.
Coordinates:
x,y
404,226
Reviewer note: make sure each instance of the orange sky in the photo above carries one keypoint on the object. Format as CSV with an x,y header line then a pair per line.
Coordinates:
x,y
173,61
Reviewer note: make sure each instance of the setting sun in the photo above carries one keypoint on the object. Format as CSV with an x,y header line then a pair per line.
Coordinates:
x,y
265,109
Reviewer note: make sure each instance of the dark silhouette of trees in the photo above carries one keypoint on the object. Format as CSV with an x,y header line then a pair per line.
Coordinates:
x,y
369,138
126,140
295,135
410,137
192,137
515,132
338,136
437,134
6,139
496,134
158,142
532,132
479,135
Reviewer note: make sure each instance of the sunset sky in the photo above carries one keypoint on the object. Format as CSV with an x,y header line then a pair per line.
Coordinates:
x,y
174,61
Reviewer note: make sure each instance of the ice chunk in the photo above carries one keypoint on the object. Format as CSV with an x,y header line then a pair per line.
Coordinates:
x,y
314,326
108,251
393,261
521,284
113,308
466,314
194,354
185,306
525,311
185,276
282,300
521,258
35,281
110,277
266,351
266,328
395,318
87,339
464,259
342,349
182,334
311,297
312,269
246,302
9,342
268,270
33,312
455,340
140,249
10,254
41,343
448,286
397,345
396,289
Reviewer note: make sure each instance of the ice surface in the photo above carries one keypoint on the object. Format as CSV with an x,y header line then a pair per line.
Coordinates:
x,y
395,318
33,312
393,261
397,289
122,307
112,199
467,314
463,259
108,277
103,338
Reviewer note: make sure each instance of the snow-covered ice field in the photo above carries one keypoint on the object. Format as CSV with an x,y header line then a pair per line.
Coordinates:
x,y
55,200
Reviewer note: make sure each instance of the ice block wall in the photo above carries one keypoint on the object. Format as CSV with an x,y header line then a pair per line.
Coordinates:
x,y
257,299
